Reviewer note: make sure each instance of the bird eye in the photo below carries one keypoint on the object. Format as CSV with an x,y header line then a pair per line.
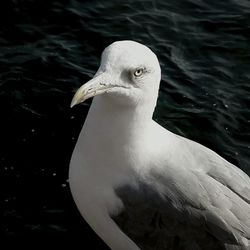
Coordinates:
x,y
138,72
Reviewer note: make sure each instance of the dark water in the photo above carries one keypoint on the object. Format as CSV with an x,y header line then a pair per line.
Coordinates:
x,y
49,48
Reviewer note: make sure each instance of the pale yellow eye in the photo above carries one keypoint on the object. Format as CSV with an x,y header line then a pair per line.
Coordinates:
x,y
138,72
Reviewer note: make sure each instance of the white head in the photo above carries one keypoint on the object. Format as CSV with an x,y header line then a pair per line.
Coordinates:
x,y
129,74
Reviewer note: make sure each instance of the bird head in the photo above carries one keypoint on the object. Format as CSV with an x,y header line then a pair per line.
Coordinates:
x,y
129,73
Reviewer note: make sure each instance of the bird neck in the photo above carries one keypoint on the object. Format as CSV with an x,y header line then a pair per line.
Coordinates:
x,y
111,118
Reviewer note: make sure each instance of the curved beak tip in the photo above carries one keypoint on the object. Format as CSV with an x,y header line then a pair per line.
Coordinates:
x,y
74,102
90,89
78,97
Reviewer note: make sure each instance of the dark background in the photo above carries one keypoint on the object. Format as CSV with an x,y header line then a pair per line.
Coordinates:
x,y
49,48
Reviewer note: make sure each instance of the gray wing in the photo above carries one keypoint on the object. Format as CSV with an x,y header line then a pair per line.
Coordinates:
x,y
155,222
189,208
220,169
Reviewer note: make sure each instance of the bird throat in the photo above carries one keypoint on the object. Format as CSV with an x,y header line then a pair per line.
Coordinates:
x,y
118,121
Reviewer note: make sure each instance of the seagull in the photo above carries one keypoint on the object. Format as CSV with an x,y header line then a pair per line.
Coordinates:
x,y
140,186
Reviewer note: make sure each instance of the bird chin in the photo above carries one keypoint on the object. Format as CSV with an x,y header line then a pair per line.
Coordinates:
x,y
124,96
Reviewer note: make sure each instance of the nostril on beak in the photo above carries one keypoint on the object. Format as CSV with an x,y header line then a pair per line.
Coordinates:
x,y
89,90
